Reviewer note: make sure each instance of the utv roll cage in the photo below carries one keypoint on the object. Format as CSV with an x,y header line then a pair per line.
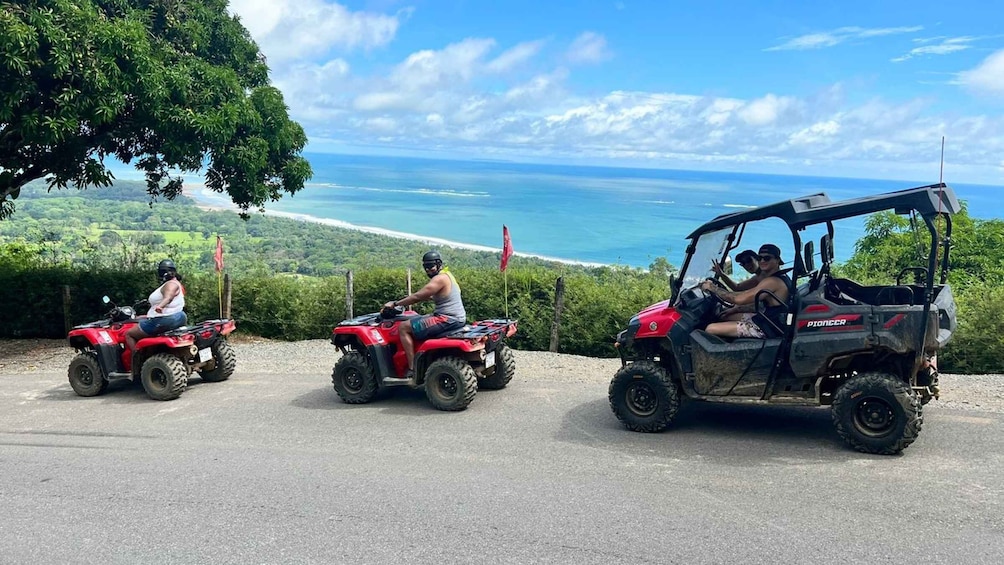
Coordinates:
x,y
929,202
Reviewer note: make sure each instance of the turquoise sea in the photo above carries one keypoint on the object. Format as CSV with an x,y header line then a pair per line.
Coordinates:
x,y
578,213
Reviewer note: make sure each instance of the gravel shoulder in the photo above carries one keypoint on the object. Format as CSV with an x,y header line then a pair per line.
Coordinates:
x,y
256,355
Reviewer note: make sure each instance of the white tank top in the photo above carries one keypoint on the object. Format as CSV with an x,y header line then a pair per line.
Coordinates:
x,y
177,304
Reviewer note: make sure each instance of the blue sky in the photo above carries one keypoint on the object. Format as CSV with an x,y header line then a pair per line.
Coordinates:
x,y
861,89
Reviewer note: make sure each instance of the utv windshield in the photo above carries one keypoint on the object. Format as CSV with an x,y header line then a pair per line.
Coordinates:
x,y
710,248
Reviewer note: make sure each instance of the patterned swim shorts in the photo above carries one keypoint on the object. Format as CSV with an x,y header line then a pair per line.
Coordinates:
x,y
431,325
746,328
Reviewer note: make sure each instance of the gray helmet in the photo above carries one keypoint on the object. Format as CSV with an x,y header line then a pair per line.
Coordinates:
x,y
166,269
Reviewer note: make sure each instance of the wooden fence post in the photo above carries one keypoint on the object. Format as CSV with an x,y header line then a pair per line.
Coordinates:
x,y
226,296
348,295
559,305
67,322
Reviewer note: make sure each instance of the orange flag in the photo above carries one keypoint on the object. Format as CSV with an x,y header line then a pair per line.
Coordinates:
x,y
219,254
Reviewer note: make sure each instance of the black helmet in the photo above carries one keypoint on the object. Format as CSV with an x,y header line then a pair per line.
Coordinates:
x,y
432,258
166,269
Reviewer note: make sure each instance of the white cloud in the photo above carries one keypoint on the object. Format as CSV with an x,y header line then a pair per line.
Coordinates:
x,y
987,77
428,68
455,101
515,56
944,47
816,133
537,87
764,111
819,40
296,29
588,47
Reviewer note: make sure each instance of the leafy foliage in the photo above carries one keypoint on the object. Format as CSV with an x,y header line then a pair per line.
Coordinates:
x,y
167,84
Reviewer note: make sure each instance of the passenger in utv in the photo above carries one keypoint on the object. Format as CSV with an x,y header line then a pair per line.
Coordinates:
x,y
167,306
448,315
747,324
748,260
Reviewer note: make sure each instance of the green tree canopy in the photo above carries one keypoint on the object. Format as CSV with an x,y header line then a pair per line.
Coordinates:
x,y
168,85
892,243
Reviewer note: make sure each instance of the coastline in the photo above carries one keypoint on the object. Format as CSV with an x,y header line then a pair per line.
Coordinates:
x,y
208,200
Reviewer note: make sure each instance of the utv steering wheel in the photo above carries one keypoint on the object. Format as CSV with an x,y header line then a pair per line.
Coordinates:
x,y
719,303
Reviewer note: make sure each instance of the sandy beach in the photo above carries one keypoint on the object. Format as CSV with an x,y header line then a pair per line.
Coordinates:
x,y
208,200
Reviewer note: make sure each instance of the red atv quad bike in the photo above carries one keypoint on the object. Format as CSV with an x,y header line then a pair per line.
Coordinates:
x,y
163,362
451,367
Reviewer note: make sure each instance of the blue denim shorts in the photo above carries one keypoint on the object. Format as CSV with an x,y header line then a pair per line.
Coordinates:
x,y
161,324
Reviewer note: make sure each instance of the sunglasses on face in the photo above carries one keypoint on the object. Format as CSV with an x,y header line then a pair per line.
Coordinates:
x,y
428,266
766,258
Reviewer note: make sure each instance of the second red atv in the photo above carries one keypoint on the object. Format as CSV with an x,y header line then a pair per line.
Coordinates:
x,y
162,363
451,367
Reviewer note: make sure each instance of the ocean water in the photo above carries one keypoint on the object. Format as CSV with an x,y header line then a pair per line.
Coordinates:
x,y
587,214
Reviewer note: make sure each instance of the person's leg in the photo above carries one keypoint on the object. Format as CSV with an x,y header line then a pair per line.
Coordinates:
x,y
408,345
134,334
724,329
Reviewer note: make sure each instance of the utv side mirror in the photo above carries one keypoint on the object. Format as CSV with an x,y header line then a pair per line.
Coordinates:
x,y
105,299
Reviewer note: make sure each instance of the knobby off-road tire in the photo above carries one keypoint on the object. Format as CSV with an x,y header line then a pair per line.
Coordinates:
x,y
354,379
226,362
164,376
450,384
643,397
85,375
877,413
505,369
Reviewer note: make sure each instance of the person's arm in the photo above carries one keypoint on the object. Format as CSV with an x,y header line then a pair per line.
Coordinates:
x,y
171,289
748,283
425,293
722,277
745,296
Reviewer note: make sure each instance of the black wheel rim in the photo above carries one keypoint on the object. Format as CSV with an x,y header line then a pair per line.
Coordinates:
x,y
353,381
85,376
641,399
874,417
447,385
158,379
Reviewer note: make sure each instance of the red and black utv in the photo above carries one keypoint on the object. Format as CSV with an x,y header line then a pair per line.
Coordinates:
x,y
451,367
868,352
162,362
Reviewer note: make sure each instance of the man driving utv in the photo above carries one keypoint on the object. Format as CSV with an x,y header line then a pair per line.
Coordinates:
x,y
449,313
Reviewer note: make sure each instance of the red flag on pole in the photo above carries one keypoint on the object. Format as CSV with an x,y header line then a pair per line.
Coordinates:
x,y
506,248
219,254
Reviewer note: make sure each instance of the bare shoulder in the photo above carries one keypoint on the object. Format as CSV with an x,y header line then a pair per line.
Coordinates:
x,y
773,284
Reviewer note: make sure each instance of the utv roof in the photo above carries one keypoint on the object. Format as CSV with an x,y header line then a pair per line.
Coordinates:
x,y
818,208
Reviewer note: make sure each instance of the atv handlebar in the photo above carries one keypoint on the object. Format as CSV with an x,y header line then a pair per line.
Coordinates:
x,y
391,313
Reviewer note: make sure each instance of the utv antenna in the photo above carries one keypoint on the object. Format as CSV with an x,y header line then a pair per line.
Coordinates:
x,y
941,173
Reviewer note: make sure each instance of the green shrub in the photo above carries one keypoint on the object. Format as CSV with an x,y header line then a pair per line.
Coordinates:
x,y
977,346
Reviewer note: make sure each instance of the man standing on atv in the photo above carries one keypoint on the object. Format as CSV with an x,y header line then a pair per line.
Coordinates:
x,y
448,315
751,324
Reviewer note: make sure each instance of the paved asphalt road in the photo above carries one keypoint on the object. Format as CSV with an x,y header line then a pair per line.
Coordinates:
x,y
269,468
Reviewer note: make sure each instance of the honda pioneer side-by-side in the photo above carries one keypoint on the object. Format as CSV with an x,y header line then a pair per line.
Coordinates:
x,y
867,352
162,363
451,367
